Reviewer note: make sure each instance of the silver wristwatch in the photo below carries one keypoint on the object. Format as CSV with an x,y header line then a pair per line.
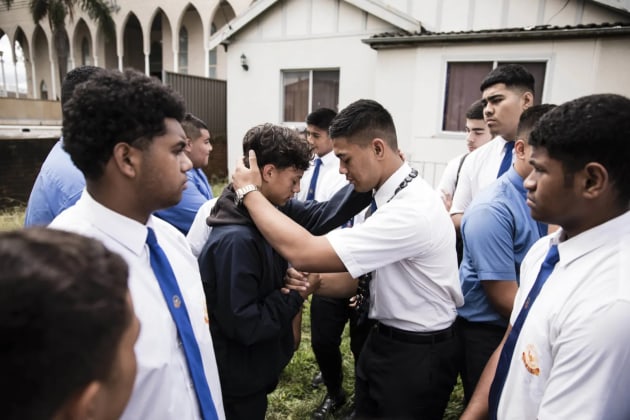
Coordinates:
x,y
242,192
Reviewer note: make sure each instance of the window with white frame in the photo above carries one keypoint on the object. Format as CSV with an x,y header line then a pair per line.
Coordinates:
x,y
463,79
307,90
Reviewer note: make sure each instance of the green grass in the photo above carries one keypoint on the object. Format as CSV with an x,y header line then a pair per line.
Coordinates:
x,y
11,218
294,399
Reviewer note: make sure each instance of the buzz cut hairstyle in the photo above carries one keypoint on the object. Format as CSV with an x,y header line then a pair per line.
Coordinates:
x,y
511,75
193,125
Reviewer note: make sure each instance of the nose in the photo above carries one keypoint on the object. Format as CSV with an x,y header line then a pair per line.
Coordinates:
x,y
186,163
488,110
529,182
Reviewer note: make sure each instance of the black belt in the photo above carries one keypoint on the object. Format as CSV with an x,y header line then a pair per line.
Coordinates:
x,y
415,337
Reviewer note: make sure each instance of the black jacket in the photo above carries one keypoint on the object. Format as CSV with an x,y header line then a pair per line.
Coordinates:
x,y
250,319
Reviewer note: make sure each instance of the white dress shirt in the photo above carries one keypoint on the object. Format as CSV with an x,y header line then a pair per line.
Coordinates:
x,y
329,180
163,388
199,230
572,357
478,171
409,243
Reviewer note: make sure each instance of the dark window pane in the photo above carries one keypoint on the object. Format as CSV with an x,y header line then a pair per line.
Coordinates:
x,y
538,71
295,95
462,89
325,89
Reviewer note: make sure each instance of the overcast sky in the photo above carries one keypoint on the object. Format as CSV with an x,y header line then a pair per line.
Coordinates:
x,y
9,68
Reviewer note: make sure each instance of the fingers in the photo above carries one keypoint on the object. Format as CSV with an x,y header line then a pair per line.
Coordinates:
x,y
253,161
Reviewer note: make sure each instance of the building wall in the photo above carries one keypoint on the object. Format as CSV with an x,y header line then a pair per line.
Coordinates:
x,y
411,83
295,36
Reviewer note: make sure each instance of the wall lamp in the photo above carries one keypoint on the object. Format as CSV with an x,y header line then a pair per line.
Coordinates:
x,y
244,62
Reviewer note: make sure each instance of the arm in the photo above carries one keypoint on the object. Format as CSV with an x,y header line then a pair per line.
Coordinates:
x,y
199,230
477,408
489,251
335,285
303,250
501,295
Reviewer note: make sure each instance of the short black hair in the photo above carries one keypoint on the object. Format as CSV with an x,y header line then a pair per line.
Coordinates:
x,y
75,77
475,111
63,312
512,75
277,145
529,118
364,120
321,118
594,128
113,107
192,126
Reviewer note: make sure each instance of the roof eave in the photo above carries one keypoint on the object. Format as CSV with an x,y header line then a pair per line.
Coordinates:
x,y
498,36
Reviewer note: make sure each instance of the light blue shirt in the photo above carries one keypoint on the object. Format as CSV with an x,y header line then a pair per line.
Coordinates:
x,y
58,186
197,192
497,230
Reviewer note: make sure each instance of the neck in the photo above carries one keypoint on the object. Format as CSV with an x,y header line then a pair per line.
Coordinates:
x,y
116,200
390,166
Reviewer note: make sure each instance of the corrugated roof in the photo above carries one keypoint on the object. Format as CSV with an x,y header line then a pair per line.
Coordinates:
x,y
400,39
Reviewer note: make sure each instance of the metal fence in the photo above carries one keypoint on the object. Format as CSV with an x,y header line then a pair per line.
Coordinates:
x,y
206,99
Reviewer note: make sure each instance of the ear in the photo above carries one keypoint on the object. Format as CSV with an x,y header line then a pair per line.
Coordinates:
x,y
378,145
528,100
188,147
594,180
267,172
519,149
83,405
127,159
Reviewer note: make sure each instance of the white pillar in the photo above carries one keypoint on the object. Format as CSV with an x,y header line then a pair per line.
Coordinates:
x,y
175,61
36,93
206,62
53,84
17,89
120,63
147,70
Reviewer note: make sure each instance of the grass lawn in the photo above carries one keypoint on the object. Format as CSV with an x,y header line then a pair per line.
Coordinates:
x,y
294,398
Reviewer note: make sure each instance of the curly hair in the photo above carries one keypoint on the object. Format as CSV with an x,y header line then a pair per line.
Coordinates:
x,y
113,107
280,146
63,311
594,128
364,120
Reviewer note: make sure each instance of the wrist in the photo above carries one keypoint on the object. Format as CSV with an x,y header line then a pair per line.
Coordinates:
x,y
242,192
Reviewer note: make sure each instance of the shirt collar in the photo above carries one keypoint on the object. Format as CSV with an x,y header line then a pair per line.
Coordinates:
x,y
386,191
516,180
327,158
591,239
128,232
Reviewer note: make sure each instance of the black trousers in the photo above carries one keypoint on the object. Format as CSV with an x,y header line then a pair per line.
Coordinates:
x,y
402,380
328,319
250,407
477,342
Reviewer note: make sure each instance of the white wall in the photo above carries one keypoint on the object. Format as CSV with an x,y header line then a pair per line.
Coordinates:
x,y
289,37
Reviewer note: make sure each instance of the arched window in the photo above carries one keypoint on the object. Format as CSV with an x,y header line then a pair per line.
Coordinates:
x,y
85,52
183,50
212,56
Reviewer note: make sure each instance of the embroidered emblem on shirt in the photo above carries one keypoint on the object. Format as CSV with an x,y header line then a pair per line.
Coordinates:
x,y
530,359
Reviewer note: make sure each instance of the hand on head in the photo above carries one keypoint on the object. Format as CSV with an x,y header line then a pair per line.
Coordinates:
x,y
245,176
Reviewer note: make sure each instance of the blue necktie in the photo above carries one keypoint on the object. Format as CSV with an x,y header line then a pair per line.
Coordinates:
x,y
508,348
507,158
311,189
175,302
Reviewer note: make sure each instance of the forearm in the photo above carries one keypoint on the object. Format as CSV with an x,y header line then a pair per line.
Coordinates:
x,y
337,285
501,294
303,250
